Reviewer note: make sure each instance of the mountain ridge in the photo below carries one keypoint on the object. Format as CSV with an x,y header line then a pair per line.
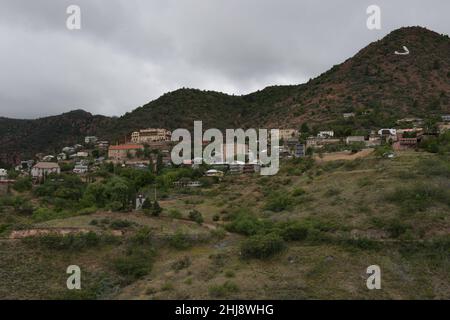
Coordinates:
x,y
375,83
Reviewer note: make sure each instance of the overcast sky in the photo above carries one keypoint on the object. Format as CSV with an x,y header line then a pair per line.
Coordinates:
x,y
129,52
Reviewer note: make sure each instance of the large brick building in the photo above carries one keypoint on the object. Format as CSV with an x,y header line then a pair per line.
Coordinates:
x,y
123,152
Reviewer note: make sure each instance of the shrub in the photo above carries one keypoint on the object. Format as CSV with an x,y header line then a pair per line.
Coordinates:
x,y
298,192
245,224
142,237
23,184
65,242
418,197
396,228
182,263
87,211
175,214
216,217
120,224
221,291
278,202
156,209
135,264
294,232
262,246
196,216
180,241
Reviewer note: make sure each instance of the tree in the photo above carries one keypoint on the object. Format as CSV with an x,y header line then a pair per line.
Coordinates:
x,y
156,209
304,128
196,216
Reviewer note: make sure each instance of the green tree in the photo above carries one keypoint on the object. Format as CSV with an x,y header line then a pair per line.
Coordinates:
x,y
156,209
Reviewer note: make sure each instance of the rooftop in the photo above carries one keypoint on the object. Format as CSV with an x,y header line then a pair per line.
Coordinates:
x,y
46,165
126,147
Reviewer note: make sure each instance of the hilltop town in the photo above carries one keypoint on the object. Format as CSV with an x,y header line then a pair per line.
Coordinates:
x,y
149,149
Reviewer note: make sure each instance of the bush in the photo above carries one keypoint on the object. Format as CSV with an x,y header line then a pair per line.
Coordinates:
x,y
396,228
294,232
279,202
65,242
262,246
196,216
135,264
298,192
180,241
175,214
120,224
246,224
156,209
142,237
419,197
23,184
182,263
221,291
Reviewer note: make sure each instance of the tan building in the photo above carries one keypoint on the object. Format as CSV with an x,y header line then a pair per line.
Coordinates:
x,y
123,151
286,134
354,139
42,169
151,135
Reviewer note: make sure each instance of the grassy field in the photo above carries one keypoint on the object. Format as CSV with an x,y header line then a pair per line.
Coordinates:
x,y
394,213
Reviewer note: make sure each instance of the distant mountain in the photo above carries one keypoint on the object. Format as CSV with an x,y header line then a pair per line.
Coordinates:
x,y
377,84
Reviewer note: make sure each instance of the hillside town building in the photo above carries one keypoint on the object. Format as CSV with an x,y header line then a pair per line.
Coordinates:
x,y
42,169
151,135
124,151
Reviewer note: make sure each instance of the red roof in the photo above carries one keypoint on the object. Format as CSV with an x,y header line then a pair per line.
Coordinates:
x,y
126,147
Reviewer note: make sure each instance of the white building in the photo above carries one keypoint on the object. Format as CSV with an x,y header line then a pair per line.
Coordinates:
x,y
354,139
387,132
80,169
325,134
42,169
90,139
3,174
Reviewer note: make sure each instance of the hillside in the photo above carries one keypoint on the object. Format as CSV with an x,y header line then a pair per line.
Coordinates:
x,y
376,84
335,218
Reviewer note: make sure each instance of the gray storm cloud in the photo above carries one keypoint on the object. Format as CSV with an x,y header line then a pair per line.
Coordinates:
x,y
129,52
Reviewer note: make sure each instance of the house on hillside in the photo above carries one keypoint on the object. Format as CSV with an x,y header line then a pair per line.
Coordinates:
x,y
123,152
285,134
348,115
354,139
90,139
3,174
388,135
42,169
446,118
80,169
325,134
